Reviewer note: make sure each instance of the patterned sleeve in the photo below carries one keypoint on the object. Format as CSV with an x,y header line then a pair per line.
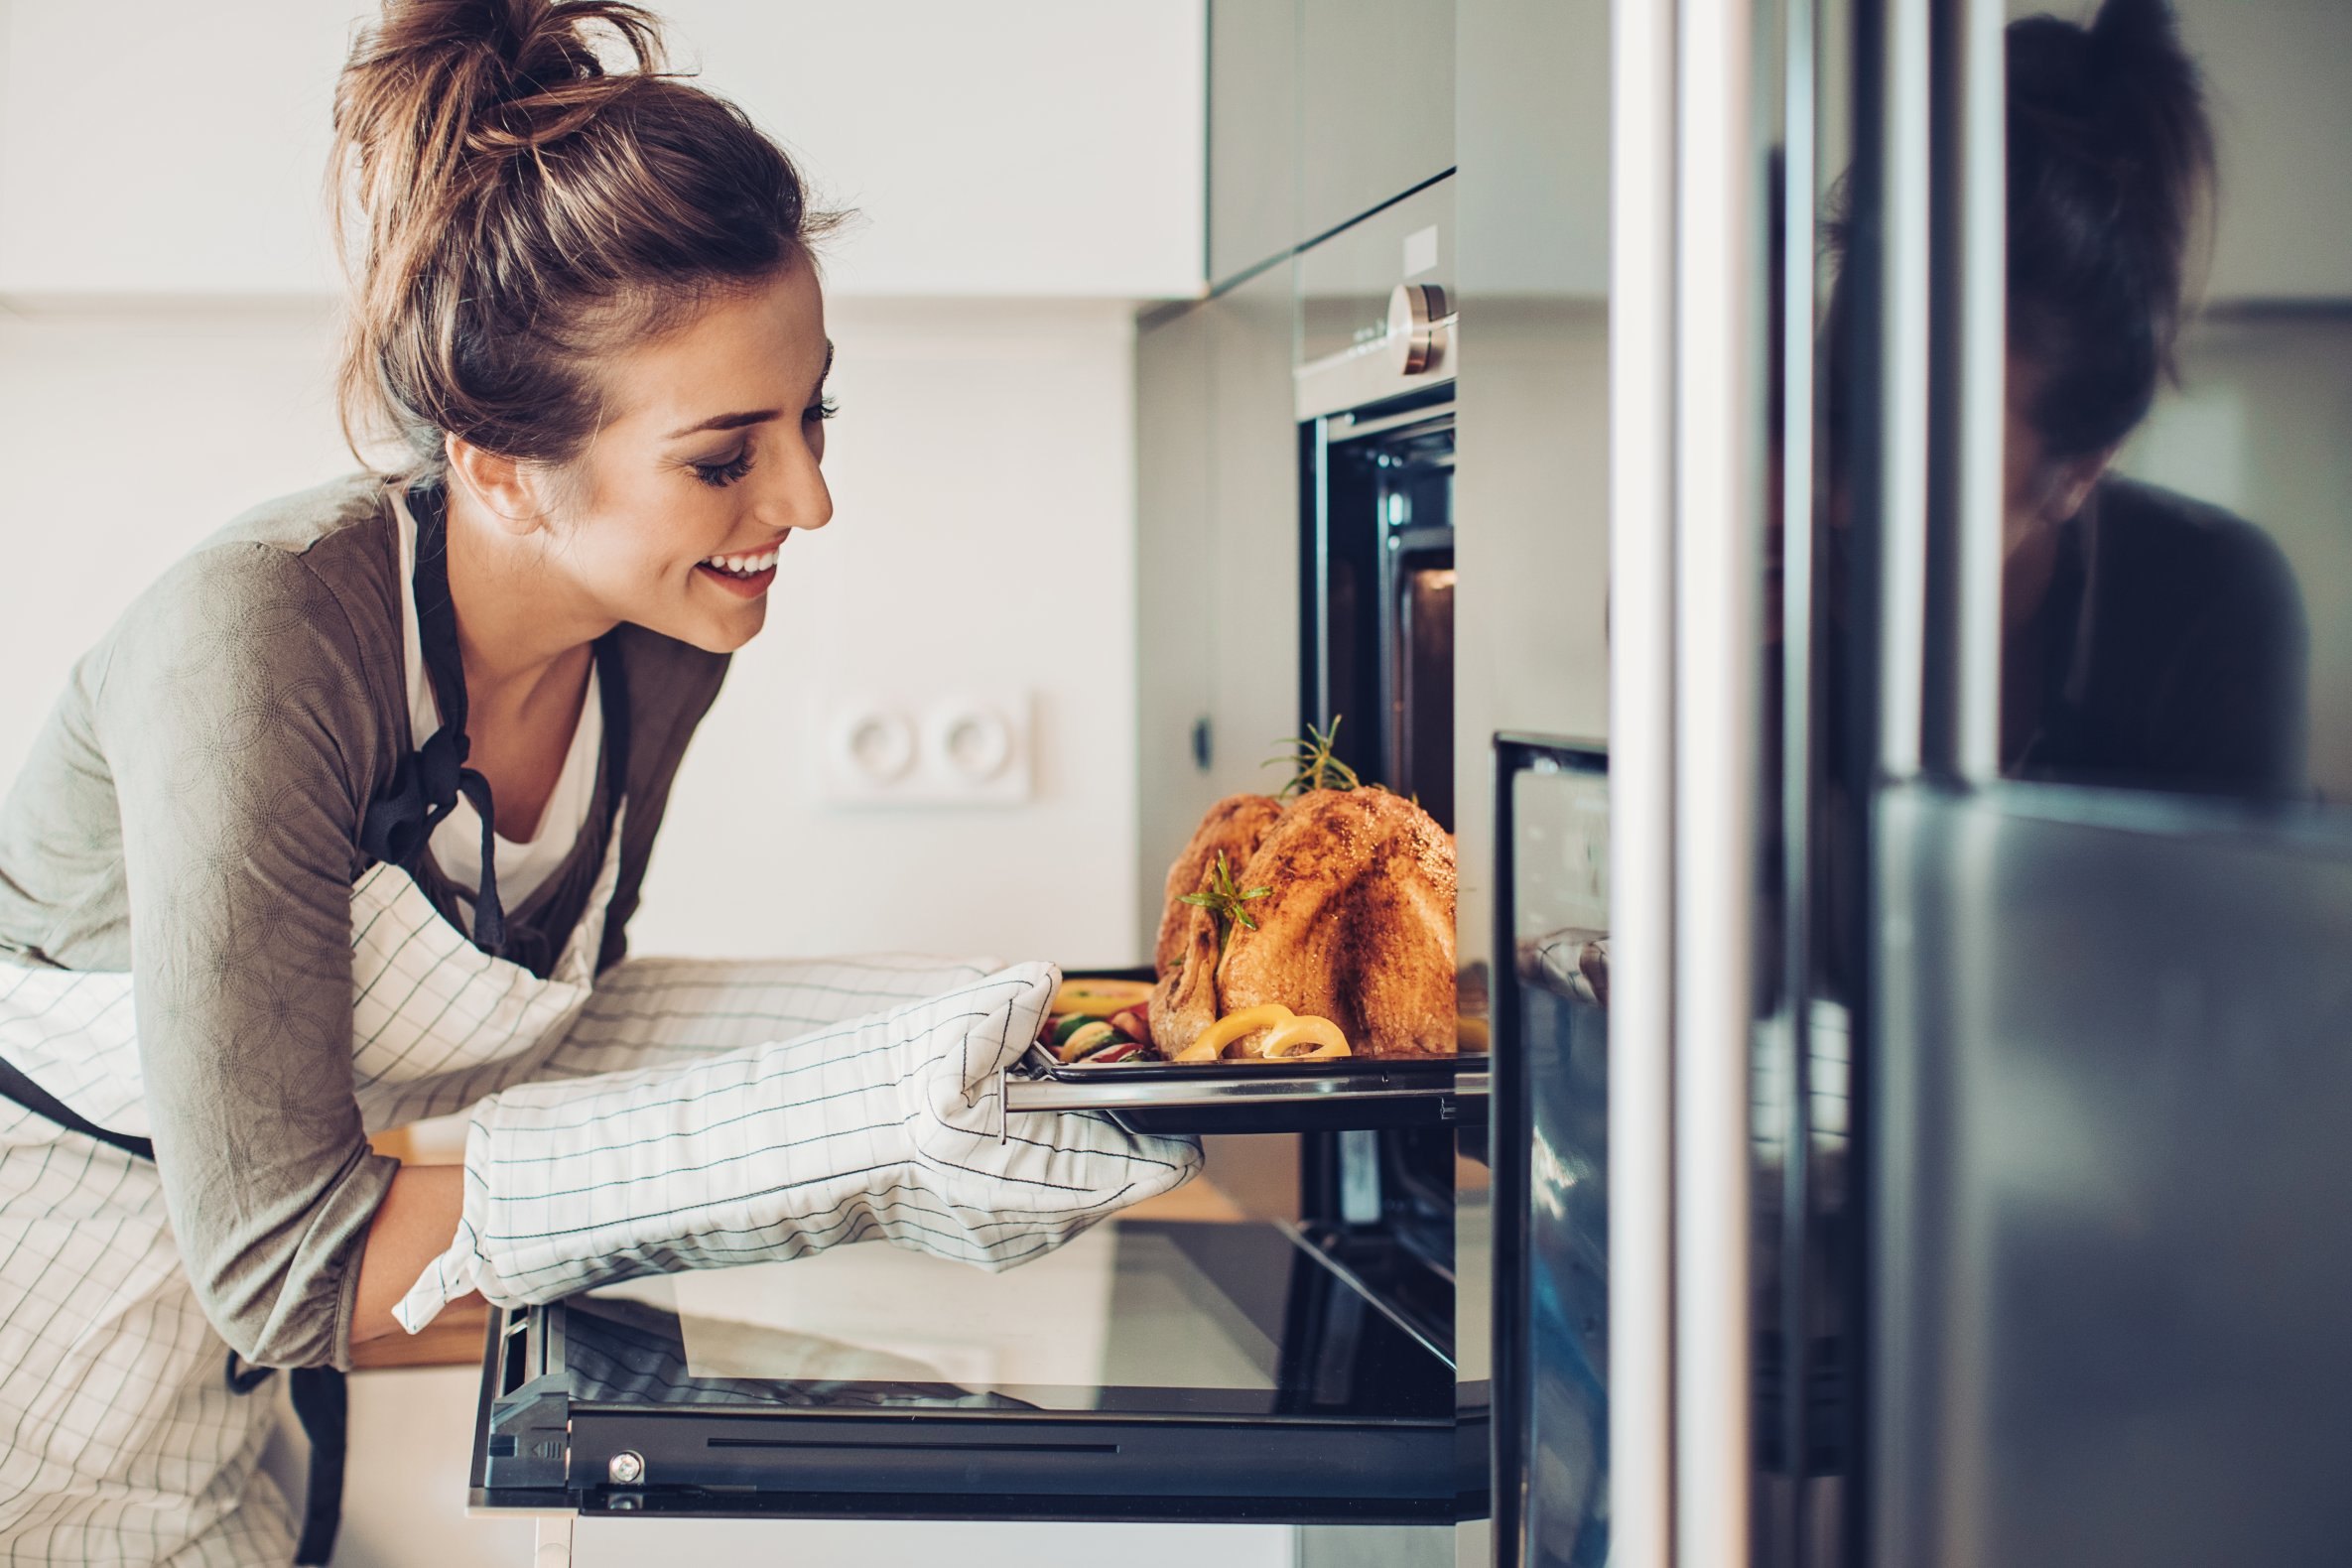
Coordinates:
x,y
238,721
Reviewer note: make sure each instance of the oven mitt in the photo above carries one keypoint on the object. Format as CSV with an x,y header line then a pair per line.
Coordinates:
x,y
886,1125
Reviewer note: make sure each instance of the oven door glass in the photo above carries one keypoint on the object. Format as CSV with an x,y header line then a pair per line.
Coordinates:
x,y
1148,1369
1551,1154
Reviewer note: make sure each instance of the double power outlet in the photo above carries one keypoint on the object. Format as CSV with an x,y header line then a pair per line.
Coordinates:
x,y
962,749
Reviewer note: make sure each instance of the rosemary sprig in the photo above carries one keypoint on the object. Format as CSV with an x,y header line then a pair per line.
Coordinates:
x,y
1223,902
1313,762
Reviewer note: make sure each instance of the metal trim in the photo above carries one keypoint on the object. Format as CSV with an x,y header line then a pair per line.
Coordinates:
x,y
1970,314
1718,532
1902,204
1642,762
1045,1093
1799,679
1365,373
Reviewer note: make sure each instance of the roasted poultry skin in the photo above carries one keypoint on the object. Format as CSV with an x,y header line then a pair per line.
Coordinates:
x,y
1233,828
1358,928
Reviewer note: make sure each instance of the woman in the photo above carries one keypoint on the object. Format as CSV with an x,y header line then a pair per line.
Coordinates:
x,y
342,826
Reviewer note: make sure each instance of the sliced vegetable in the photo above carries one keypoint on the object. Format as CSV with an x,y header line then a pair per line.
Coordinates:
x,y
1123,1051
1100,999
1233,1026
1132,1024
1086,1041
1064,1028
1304,1039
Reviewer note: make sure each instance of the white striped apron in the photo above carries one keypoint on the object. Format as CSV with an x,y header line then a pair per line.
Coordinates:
x,y
120,1440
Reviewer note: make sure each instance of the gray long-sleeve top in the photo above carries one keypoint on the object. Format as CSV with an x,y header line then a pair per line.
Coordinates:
x,y
190,813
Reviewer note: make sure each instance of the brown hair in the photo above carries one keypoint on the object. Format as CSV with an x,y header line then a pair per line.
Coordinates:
x,y
2110,173
510,204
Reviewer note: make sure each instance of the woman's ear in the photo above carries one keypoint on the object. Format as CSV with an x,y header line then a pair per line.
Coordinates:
x,y
505,488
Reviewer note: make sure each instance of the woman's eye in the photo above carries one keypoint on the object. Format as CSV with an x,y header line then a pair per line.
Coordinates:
x,y
718,475
823,408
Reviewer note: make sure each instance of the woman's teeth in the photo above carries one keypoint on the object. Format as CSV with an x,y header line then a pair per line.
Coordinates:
x,y
743,566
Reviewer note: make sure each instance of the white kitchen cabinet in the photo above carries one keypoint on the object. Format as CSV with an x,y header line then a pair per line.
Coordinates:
x,y
1048,148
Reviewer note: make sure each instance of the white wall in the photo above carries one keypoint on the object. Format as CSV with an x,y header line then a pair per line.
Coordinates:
x,y
984,541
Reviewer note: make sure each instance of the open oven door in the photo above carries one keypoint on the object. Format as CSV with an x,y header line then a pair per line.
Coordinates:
x,y
1147,1370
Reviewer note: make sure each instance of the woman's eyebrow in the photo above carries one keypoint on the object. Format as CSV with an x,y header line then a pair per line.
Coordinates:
x,y
757,415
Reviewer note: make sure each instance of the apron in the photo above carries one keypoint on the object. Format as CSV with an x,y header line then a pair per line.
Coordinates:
x,y
121,1436
123,1433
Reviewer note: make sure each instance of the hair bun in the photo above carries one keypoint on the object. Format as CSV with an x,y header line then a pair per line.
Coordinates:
x,y
500,75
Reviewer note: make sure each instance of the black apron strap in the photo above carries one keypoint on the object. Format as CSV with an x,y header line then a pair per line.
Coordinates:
x,y
427,783
322,1403
17,1086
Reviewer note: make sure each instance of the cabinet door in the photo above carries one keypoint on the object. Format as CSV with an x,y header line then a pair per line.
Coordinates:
x,y
1218,612
1254,133
1375,105
1174,581
1253,611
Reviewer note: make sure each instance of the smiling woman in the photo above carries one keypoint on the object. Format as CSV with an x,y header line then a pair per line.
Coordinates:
x,y
385,761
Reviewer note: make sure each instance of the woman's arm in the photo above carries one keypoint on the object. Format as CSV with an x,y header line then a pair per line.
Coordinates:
x,y
411,1228
242,719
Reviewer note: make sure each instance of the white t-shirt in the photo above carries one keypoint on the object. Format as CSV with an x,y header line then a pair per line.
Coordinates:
x,y
457,842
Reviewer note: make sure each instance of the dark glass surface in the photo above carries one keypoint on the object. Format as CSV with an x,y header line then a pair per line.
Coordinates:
x,y
1388,664
1144,1317
1552,1159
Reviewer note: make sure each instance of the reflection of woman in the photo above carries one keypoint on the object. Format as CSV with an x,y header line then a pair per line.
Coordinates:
x,y
2149,640
343,824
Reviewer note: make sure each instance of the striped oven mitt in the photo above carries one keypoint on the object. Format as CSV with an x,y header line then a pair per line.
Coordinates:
x,y
886,1125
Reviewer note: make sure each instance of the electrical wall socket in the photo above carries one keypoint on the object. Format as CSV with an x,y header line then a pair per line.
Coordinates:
x,y
965,748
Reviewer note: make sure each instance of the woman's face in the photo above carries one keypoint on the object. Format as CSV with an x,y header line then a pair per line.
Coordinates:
x,y
673,517
2038,490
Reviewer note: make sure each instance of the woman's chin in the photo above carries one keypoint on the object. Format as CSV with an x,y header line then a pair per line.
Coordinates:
x,y
724,633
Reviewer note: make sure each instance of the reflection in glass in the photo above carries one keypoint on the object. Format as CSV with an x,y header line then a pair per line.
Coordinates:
x,y
2150,639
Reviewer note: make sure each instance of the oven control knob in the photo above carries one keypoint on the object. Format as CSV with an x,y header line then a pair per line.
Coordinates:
x,y
1416,335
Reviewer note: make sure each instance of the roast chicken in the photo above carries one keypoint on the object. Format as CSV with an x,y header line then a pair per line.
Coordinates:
x,y
1357,923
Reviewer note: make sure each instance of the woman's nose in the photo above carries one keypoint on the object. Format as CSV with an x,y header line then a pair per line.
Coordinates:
x,y
800,498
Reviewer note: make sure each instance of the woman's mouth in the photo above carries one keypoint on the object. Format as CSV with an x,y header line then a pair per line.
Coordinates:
x,y
744,576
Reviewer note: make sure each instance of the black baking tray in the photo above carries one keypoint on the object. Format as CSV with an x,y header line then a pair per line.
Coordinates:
x,y
1354,1092
1251,1097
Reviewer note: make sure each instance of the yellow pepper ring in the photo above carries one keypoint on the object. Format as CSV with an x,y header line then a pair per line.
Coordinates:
x,y
1226,1030
1321,1034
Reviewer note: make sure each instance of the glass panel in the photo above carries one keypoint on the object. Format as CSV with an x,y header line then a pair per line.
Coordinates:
x,y
1560,971
2176,491
1236,1319
871,1314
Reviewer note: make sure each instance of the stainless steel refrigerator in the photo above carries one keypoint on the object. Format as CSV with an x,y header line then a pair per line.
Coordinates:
x,y
1949,1166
